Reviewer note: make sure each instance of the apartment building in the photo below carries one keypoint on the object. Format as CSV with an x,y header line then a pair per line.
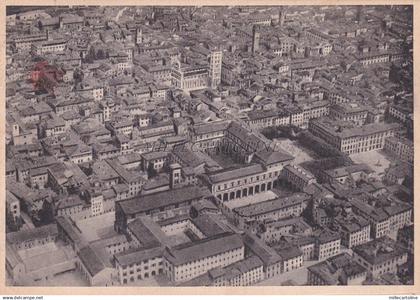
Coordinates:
x,y
378,218
327,244
400,112
242,273
23,43
314,110
347,174
374,58
306,244
292,258
278,208
274,230
138,264
341,269
43,47
272,261
352,140
380,256
187,261
159,206
354,230
348,112
209,136
297,177
28,239
400,215
259,119
403,148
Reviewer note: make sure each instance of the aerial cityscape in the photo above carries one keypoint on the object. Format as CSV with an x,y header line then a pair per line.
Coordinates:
x,y
209,146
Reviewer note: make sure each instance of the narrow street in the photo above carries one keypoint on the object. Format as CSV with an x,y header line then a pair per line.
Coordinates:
x,y
298,276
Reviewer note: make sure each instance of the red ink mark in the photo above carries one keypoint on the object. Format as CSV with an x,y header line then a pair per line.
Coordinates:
x,y
45,77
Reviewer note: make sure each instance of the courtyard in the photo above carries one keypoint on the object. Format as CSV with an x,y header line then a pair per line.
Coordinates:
x,y
179,238
377,160
70,278
256,198
225,160
35,251
300,153
98,227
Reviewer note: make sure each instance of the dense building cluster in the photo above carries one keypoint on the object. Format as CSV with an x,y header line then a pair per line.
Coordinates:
x,y
209,146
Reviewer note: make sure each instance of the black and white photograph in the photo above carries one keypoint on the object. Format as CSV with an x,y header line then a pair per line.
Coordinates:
x,y
209,146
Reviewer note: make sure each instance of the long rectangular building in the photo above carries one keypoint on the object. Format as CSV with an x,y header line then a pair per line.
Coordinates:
x,y
190,260
351,139
259,119
275,209
297,177
161,205
401,147
380,256
190,78
241,182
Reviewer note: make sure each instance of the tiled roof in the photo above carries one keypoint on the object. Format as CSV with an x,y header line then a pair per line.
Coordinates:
x,y
144,203
91,261
32,234
380,250
271,205
190,252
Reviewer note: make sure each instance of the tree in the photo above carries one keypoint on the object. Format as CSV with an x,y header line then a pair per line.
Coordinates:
x,y
151,170
394,75
46,214
100,54
90,56
13,224
78,75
